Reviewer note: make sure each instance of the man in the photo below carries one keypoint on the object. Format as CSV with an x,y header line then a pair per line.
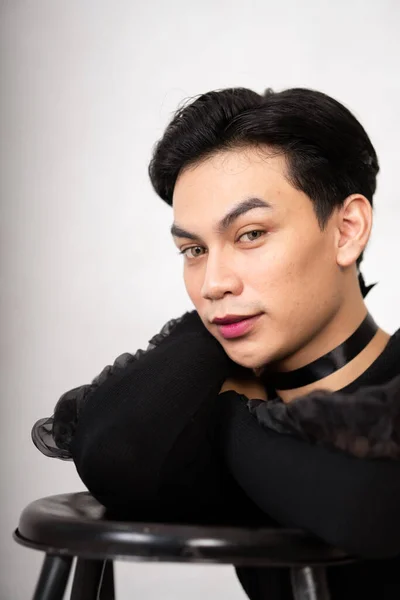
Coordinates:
x,y
260,405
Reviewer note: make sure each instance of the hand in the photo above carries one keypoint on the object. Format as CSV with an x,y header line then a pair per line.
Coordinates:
x,y
251,387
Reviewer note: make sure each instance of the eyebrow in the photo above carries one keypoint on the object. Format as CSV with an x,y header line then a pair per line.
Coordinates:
x,y
224,224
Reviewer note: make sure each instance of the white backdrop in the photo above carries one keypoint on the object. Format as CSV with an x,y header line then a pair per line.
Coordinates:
x,y
88,269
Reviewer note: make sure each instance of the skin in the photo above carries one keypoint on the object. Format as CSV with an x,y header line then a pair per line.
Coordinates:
x,y
273,260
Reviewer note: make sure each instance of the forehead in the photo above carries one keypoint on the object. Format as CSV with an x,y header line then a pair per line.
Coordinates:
x,y
214,185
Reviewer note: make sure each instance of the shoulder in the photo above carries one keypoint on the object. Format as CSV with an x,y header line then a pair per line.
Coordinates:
x,y
364,424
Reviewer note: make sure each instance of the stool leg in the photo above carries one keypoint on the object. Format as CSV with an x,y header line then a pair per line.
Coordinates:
x,y
53,577
309,583
93,580
107,589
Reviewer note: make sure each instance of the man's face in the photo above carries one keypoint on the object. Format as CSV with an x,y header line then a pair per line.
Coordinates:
x,y
273,260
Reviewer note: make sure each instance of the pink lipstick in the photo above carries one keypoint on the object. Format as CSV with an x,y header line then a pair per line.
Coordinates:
x,y
237,328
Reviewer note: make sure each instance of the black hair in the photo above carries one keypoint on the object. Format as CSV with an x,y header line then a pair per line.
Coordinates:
x,y
328,153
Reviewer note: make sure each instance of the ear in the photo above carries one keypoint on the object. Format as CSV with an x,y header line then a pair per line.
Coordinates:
x,y
354,229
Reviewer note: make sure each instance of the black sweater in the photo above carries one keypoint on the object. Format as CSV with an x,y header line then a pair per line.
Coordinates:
x,y
152,439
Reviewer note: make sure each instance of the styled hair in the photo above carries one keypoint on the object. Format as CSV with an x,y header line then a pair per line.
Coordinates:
x,y
328,153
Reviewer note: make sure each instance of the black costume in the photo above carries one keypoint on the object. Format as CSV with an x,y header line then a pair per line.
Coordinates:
x,y
152,439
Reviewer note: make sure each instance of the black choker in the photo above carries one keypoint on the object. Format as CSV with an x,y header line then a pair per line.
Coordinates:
x,y
327,364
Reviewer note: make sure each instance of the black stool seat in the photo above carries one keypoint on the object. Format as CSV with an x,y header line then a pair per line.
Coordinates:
x,y
75,525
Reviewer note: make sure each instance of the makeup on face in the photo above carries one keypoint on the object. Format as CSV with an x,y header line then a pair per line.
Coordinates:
x,y
238,328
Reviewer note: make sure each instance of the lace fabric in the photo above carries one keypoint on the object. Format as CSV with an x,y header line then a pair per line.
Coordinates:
x,y
53,435
365,423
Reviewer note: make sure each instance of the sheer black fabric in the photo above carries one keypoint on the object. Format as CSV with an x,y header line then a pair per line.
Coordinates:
x,y
53,435
365,423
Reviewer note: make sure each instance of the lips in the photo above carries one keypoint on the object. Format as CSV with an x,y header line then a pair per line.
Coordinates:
x,y
238,328
232,319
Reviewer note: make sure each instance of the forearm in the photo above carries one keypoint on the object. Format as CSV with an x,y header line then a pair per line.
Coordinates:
x,y
349,502
131,424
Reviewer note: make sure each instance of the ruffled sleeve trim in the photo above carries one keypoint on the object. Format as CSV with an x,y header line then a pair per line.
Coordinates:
x,y
53,435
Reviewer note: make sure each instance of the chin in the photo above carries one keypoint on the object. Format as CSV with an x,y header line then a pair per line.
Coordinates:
x,y
249,361
253,356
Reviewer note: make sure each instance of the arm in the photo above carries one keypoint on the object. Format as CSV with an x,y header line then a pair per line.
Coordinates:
x,y
143,441
349,502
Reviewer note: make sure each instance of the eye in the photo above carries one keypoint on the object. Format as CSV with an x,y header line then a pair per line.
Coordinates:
x,y
186,250
197,251
254,231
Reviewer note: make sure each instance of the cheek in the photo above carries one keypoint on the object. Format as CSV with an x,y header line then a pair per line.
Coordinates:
x,y
271,278
291,273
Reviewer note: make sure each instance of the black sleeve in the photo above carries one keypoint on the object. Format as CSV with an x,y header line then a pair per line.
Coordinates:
x,y
351,503
144,441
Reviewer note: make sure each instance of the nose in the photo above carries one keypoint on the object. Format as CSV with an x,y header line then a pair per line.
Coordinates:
x,y
220,278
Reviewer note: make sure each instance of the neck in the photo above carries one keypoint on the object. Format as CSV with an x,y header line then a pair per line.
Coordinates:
x,y
347,374
332,335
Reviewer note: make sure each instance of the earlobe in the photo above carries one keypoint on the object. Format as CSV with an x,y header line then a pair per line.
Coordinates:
x,y
354,229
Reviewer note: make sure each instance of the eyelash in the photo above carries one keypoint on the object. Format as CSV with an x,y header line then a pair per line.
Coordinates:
x,y
183,252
